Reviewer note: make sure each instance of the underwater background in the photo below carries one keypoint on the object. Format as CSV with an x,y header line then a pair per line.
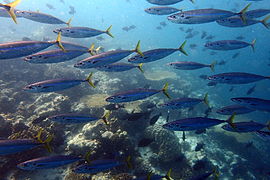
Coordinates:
x,y
151,147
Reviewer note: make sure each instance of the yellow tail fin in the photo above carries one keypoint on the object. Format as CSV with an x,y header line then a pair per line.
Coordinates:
x,y
212,66
46,142
108,31
242,13
264,21
140,67
69,22
168,175
10,8
149,175
87,157
205,100
92,49
230,120
59,43
106,116
128,161
252,44
165,90
181,48
98,49
138,48
88,79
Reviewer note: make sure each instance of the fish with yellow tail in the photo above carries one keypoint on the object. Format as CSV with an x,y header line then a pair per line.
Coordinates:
x,y
188,65
10,9
56,84
136,94
106,58
225,45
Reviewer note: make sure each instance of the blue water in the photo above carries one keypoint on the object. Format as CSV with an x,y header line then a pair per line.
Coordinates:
x,y
19,108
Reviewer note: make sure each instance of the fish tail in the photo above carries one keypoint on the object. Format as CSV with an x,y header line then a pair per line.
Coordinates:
x,y
242,13
98,49
106,116
88,79
108,31
192,1
69,22
252,44
140,67
168,175
128,162
87,157
92,49
165,90
138,48
264,21
10,8
216,173
46,142
268,125
59,43
230,120
205,99
181,48
212,66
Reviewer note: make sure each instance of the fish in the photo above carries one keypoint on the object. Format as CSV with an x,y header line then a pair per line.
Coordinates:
x,y
193,46
204,176
5,14
97,166
137,116
237,109
199,16
203,76
113,107
77,119
156,54
265,135
225,45
235,55
151,176
82,32
188,65
191,124
9,7
136,94
184,102
240,37
199,146
251,90
161,10
106,58
56,85
235,22
154,119
236,78
120,67
163,23
50,6
54,56
257,13
145,142
13,146
253,103
221,63
100,38
24,48
42,17
158,27
211,84
125,29
72,10
165,2
245,127
210,37
48,162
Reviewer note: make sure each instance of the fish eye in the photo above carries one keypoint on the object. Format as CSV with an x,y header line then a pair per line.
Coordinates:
x,y
182,15
173,16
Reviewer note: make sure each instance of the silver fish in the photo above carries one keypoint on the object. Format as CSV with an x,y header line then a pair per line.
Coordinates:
x,y
165,2
82,32
236,78
199,16
253,103
237,109
225,45
41,17
161,10
257,13
120,67
56,85
188,65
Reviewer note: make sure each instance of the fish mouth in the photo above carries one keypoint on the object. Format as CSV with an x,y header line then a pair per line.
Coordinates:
x,y
170,18
56,30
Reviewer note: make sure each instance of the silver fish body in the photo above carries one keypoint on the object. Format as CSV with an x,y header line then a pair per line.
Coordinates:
x,y
236,78
253,103
225,45
164,2
48,162
187,65
40,17
161,10
53,56
244,127
237,109
22,48
72,118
